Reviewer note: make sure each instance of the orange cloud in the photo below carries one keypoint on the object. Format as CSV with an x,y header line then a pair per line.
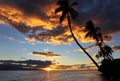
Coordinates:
x,y
39,22
116,47
45,27
48,54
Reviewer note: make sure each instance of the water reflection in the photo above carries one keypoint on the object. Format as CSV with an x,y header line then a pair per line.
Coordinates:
x,y
75,76
51,76
48,75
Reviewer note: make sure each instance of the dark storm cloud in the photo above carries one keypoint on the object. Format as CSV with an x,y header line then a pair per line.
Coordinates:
x,y
30,7
37,20
19,26
54,32
54,35
33,8
39,33
105,13
23,65
47,34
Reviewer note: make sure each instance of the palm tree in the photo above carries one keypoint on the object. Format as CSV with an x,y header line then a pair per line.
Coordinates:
x,y
106,52
68,12
94,32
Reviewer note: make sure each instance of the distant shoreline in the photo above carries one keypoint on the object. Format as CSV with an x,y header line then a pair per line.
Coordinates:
x,y
44,70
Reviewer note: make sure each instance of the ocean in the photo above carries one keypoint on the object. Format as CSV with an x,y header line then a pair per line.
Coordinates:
x,y
55,75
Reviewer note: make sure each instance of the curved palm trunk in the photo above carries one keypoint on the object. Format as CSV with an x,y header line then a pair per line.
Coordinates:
x,y
69,23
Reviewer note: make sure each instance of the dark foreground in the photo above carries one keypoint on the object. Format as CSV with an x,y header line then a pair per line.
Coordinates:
x,y
110,69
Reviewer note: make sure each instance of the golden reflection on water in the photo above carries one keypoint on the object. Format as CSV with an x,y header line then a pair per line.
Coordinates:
x,y
48,70
48,75
55,75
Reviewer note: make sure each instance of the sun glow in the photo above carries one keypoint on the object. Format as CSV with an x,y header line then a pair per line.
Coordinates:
x,y
48,69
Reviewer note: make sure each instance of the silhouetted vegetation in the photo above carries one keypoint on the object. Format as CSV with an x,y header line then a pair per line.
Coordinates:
x,y
68,12
110,67
94,32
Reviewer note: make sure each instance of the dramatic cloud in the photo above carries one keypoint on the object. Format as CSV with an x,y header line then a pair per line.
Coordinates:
x,y
104,12
48,54
23,65
37,20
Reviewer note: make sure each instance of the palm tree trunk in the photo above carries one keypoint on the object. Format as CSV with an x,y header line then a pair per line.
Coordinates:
x,y
69,23
98,44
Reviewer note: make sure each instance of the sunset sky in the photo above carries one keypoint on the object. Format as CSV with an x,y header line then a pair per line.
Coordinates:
x,y
29,29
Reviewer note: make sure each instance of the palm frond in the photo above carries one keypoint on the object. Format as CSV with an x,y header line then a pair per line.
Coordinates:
x,y
73,13
88,28
89,34
107,52
63,16
85,30
90,23
58,9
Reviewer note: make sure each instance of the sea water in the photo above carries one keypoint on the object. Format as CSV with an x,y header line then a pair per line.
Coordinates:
x,y
56,75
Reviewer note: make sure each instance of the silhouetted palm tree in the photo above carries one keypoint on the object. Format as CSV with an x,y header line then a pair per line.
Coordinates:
x,y
106,52
68,12
94,32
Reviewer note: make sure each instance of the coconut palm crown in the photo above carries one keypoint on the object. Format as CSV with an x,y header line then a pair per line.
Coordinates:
x,y
94,33
66,8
